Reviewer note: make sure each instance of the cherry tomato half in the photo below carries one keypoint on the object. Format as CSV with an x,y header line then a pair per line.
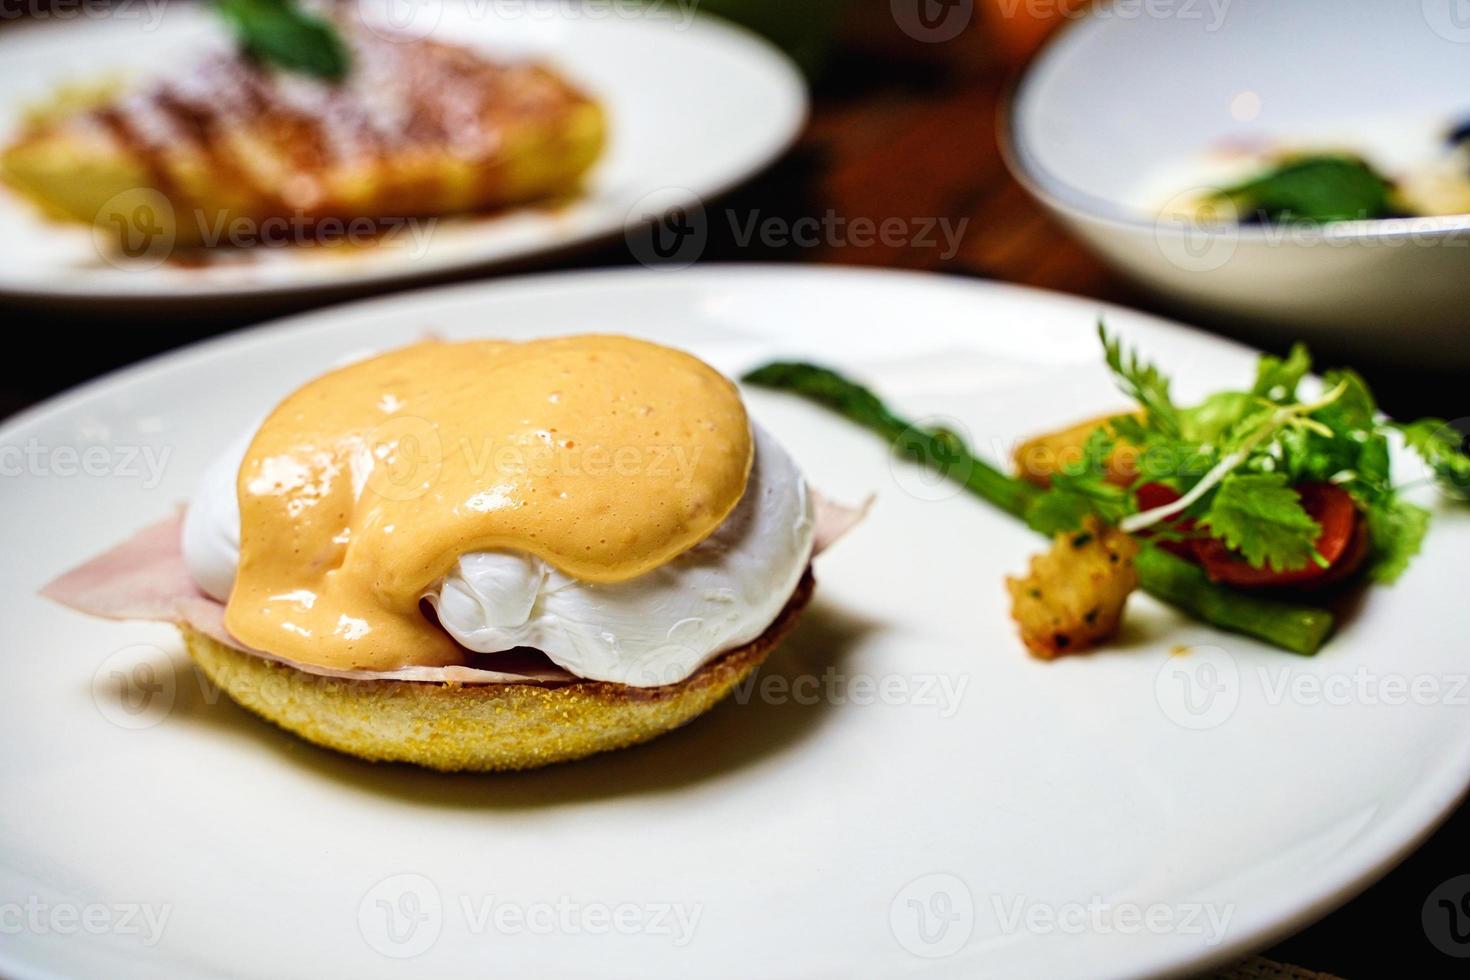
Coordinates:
x,y
1343,542
1152,495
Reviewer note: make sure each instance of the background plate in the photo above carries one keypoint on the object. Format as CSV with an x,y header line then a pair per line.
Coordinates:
x,y
694,106
905,791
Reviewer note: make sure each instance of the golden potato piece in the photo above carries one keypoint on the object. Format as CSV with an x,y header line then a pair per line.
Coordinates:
x,y
1039,457
1073,595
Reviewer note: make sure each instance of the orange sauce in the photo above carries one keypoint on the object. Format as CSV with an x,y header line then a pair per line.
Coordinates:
x,y
605,456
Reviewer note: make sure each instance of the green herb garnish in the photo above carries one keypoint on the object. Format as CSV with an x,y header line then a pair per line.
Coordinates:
x,y
1313,189
1262,517
1443,448
1291,626
279,33
1236,455
1234,458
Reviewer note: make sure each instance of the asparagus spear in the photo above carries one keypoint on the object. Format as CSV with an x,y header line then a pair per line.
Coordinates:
x,y
1290,626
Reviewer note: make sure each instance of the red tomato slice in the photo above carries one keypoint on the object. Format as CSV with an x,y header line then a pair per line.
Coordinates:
x,y
1152,495
1343,543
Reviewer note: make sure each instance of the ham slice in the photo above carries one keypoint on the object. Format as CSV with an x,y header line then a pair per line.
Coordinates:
x,y
145,578
834,520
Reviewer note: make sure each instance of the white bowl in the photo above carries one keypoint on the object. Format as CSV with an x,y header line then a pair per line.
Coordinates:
x,y
1135,89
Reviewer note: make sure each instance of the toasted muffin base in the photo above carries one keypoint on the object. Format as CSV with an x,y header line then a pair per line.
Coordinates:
x,y
481,727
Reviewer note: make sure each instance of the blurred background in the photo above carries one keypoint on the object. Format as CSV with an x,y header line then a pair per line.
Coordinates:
x,y
907,99
907,96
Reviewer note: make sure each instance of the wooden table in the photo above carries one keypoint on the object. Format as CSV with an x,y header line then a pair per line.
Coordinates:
x,y
900,130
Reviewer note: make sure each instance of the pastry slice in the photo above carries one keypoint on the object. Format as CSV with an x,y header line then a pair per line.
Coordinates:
x,y
416,128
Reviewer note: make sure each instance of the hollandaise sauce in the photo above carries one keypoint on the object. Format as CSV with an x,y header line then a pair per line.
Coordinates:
x,y
606,456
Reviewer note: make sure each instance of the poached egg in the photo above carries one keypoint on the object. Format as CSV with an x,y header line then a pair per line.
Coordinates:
x,y
653,629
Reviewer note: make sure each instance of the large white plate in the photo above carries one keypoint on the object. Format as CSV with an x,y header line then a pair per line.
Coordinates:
x,y
868,822
694,105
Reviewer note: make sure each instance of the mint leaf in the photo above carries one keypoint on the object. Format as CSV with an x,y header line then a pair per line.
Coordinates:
x,y
1396,530
279,33
1313,189
1260,516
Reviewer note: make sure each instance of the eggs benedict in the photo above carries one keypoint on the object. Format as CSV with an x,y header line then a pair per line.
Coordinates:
x,y
486,554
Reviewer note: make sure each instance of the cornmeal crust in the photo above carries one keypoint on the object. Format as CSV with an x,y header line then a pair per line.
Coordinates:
x,y
485,727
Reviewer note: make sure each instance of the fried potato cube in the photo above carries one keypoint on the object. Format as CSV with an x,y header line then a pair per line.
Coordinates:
x,y
1039,457
1073,596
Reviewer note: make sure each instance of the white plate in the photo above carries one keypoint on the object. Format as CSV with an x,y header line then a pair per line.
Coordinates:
x,y
895,826
1111,121
695,105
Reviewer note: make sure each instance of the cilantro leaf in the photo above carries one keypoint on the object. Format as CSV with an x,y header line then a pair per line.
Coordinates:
x,y
1081,489
1355,408
1073,498
1346,444
1277,379
1396,530
1260,516
1443,448
1213,418
1142,382
1058,510
1157,457
280,33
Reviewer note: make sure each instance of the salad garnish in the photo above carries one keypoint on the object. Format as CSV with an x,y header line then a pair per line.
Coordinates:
x,y
1247,508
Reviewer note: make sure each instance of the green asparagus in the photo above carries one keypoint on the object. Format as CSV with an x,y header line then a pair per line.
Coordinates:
x,y
1291,626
